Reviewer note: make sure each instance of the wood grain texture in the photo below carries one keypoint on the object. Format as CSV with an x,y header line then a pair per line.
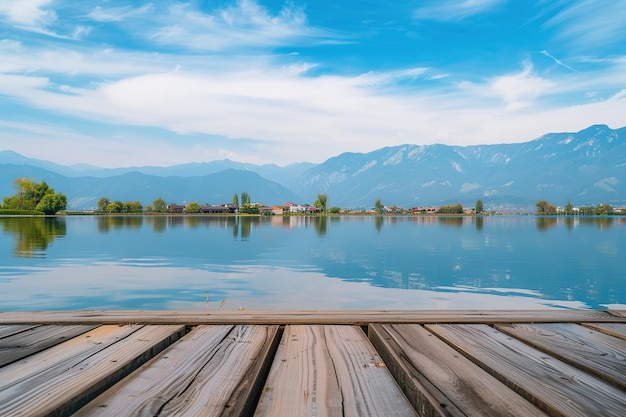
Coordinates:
x,y
356,317
61,379
456,385
554,386
613,329
595,352
11,329
35,339
329,371
210,372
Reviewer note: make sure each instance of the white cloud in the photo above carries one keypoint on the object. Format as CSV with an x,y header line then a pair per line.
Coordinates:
x,y
28,13
557,61
117,14
590,23
455,10
81,31
279,103
245,24
293,117
519,90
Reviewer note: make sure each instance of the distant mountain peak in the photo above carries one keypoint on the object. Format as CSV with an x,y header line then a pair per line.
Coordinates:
x,y
586,167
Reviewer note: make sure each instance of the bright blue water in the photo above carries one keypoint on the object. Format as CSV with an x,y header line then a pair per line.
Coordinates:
x,y
421,262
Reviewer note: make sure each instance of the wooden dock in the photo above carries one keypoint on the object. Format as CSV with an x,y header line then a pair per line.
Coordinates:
x,y
313,363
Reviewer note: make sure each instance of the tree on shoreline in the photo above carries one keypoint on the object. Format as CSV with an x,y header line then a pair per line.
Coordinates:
x,y
32,196
544,208
159,206
453,209
479,207
192,207
245,198
321,202
378,206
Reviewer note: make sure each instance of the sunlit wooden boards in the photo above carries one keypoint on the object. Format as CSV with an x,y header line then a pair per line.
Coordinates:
x,y
212,371
596,352
613,329
355,317
329,371
62,378
20,341
497,368
454,369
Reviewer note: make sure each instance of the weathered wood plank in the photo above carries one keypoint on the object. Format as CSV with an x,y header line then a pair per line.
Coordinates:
x,y
554,386
440,382
357,317
33,340
595,352
329,371
211,371
11,329
613,329
61,379
620,313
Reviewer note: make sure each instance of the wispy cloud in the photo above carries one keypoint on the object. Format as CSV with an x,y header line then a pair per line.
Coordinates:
x,y
455,10
170,74
330,112
39,17
519,90
590,23
118,14
516,91
244,24
557,61
28,13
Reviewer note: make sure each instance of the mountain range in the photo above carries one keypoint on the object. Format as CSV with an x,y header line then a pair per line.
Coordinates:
x,y
587,167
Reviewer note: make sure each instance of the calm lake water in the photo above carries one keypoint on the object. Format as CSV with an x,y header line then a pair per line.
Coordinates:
x,y
410,262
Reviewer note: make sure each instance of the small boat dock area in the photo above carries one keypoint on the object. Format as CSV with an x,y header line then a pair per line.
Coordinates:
x,y
313,363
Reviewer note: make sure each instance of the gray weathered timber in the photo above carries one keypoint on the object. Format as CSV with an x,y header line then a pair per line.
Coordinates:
x,y
613,329
598,353
211,371
329,371
63,378
554,386
31,340
357,317
440,382
10,330
432,365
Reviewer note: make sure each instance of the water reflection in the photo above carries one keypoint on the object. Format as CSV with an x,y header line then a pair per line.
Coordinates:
x,y
320,224
106,223
498,256
33,235
246,227
600,222
451,221
378,223
478,221
570,222
545,223
158,223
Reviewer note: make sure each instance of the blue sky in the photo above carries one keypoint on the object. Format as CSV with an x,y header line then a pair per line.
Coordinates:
x,y
122,83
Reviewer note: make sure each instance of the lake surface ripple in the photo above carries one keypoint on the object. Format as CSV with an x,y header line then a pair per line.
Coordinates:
x,y
298,262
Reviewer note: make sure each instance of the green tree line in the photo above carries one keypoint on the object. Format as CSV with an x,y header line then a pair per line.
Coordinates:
x,y
33,197
603,209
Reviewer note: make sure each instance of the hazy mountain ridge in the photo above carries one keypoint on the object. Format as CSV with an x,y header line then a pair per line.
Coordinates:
x,y
216,188
583,166
588,167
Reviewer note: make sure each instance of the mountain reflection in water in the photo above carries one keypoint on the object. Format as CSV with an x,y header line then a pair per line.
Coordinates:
x,y
310,262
